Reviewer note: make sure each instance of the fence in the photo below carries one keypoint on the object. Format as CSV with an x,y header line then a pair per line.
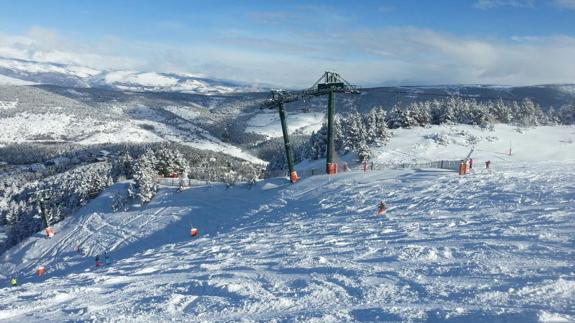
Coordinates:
x,y
440,164
176,182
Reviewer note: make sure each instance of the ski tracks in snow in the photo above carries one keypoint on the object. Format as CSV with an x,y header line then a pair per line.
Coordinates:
x,y
486,246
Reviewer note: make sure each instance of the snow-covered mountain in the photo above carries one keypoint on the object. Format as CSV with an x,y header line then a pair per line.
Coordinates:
x,y
495,245
60,115
80,76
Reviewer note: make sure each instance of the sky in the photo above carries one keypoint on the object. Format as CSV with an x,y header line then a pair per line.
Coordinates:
x,y
291,43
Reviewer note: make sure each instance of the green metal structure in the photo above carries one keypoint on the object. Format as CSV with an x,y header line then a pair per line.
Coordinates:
x,y
328,84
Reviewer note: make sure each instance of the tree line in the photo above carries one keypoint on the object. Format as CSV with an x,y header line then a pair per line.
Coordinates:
x,y
354,132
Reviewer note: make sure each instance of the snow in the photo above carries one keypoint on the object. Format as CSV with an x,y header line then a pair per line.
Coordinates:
x,y
53,126
62,127
268,124
144,79
494,245
8,105
456,141
6,80
44,67
81,76
133,80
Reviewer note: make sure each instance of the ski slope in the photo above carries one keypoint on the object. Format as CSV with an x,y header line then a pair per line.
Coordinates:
x,y
494,245
454,142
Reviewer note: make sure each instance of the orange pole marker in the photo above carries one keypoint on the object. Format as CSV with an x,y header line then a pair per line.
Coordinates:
x,y
293,177
40,271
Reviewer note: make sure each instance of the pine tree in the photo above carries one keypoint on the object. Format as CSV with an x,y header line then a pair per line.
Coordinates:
x,y
363,152
567,114
170,160
421,113
399,117
145,176
501,112
354,132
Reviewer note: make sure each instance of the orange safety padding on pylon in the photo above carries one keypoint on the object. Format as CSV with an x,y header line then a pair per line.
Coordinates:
x,y
462,168
49,232
40,271
331,168
293,177
194,232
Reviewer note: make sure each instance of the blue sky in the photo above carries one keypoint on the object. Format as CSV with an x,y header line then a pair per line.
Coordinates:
x,y
290,43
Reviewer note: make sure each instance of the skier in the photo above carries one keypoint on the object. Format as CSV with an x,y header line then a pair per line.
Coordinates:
x,y
98,263
107,259
470,163
381,208
13,281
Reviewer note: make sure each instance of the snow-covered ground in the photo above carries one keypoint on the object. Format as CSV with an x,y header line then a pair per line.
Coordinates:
x,y
62,127
491,246
6,80
268,124
419,145
26,72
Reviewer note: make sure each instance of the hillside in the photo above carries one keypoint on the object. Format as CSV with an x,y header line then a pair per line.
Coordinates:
x,y
495,245
52,115
27,71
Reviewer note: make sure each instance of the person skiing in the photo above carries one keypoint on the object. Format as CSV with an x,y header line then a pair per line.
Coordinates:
x,y
381,208
107,259
13,281
98,263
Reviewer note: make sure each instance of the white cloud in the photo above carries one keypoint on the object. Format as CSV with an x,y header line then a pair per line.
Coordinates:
x,y
488,4
566,4
45,45
403,55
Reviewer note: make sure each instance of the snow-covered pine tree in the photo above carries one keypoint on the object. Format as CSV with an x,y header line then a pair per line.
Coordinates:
x,y
318,143
446,111
501,112
382,132
525,114
553,117
363,152
170,160
400,117
567,114
353,131
145,176
420,112
371,126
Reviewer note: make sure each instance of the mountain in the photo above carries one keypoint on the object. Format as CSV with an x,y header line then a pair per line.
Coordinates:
x,y
86,77
62,115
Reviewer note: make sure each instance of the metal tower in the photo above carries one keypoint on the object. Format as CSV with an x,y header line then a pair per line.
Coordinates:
x,y
328,84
